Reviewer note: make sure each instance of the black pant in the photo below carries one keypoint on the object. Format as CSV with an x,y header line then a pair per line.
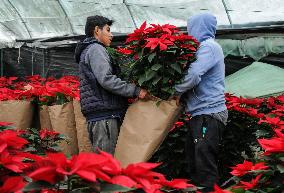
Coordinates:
x,y
203,139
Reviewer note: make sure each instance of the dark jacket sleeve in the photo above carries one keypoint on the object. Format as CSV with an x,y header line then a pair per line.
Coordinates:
x,y
99,61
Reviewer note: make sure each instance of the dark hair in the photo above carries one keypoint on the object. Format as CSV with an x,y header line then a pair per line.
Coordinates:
x,y
93,21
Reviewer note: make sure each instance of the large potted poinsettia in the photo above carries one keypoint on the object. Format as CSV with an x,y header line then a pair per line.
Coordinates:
x,y
161,54
61,111
15,102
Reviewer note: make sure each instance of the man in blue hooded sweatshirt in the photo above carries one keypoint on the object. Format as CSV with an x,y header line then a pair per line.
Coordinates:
x,y
203,91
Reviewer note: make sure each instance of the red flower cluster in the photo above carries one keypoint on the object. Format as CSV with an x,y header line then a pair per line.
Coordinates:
x,y
162,37
244,168
273,145
46,134
270,112
273,117
55,168
91,167
13,184
217,189
47,90
249,185
11,162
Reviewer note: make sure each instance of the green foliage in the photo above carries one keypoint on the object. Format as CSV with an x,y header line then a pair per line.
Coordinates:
x,y
171,153
239,142
39,144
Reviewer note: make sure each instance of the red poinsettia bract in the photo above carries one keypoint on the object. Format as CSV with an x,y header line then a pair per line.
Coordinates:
x,y
13,184
244,168
217,189
162,42
12,140
249,185
274,144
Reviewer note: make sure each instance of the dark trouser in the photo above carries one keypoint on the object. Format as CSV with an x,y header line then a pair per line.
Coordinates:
x,y
103,134
203,139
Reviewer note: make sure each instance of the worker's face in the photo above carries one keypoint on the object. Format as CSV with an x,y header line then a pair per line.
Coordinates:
x,y
104,35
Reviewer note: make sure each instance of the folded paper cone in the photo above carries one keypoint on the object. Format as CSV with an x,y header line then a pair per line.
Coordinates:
x,y
145,126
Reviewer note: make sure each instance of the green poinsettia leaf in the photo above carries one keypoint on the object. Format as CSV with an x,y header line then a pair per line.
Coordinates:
x,y
261,133
281,159
150,74
55,148
32,137
166,89
166,80
173,51
34,130
156,80
61,137
110,188
239,190
171,72
141,79
28,149
280,168
176,67
38,185
151,57
156,67
248,191
140,54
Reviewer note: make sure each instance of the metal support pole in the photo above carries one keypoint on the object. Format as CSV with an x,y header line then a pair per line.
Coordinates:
x,y
131,14
32,62
228,13
2,65
43,63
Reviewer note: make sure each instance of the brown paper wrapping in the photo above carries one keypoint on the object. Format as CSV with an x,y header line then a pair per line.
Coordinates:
x,y
19,112
84,143
145,126
63,121
44,118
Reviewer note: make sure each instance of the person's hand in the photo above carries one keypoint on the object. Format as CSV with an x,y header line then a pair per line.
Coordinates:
x,y
28,87
176,98
144,94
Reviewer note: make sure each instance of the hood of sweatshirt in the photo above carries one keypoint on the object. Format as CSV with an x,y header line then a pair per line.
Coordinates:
x,y
82,45
202,26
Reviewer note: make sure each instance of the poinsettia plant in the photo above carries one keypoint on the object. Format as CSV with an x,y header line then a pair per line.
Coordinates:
x,y
54,92
252,147
161,56
42,141
23,171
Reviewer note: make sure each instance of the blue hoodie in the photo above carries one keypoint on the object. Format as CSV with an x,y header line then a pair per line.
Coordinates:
x,y
203,85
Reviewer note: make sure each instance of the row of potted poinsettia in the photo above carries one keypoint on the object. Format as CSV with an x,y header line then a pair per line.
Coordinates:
x,y
264,171
53,172
30,162
54,102
262,168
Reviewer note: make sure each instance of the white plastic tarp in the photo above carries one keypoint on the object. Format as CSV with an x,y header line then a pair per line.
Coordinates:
x,y
33,19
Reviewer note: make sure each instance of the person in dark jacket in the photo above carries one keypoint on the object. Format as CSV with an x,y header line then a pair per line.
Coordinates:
x,y
203,91
103,94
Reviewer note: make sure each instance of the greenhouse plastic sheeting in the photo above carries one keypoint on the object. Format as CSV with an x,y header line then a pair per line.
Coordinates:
x,y
256,48
254,11
33,19
257,80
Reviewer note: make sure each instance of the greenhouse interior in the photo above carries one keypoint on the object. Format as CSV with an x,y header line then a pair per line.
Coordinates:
x,y
49,143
